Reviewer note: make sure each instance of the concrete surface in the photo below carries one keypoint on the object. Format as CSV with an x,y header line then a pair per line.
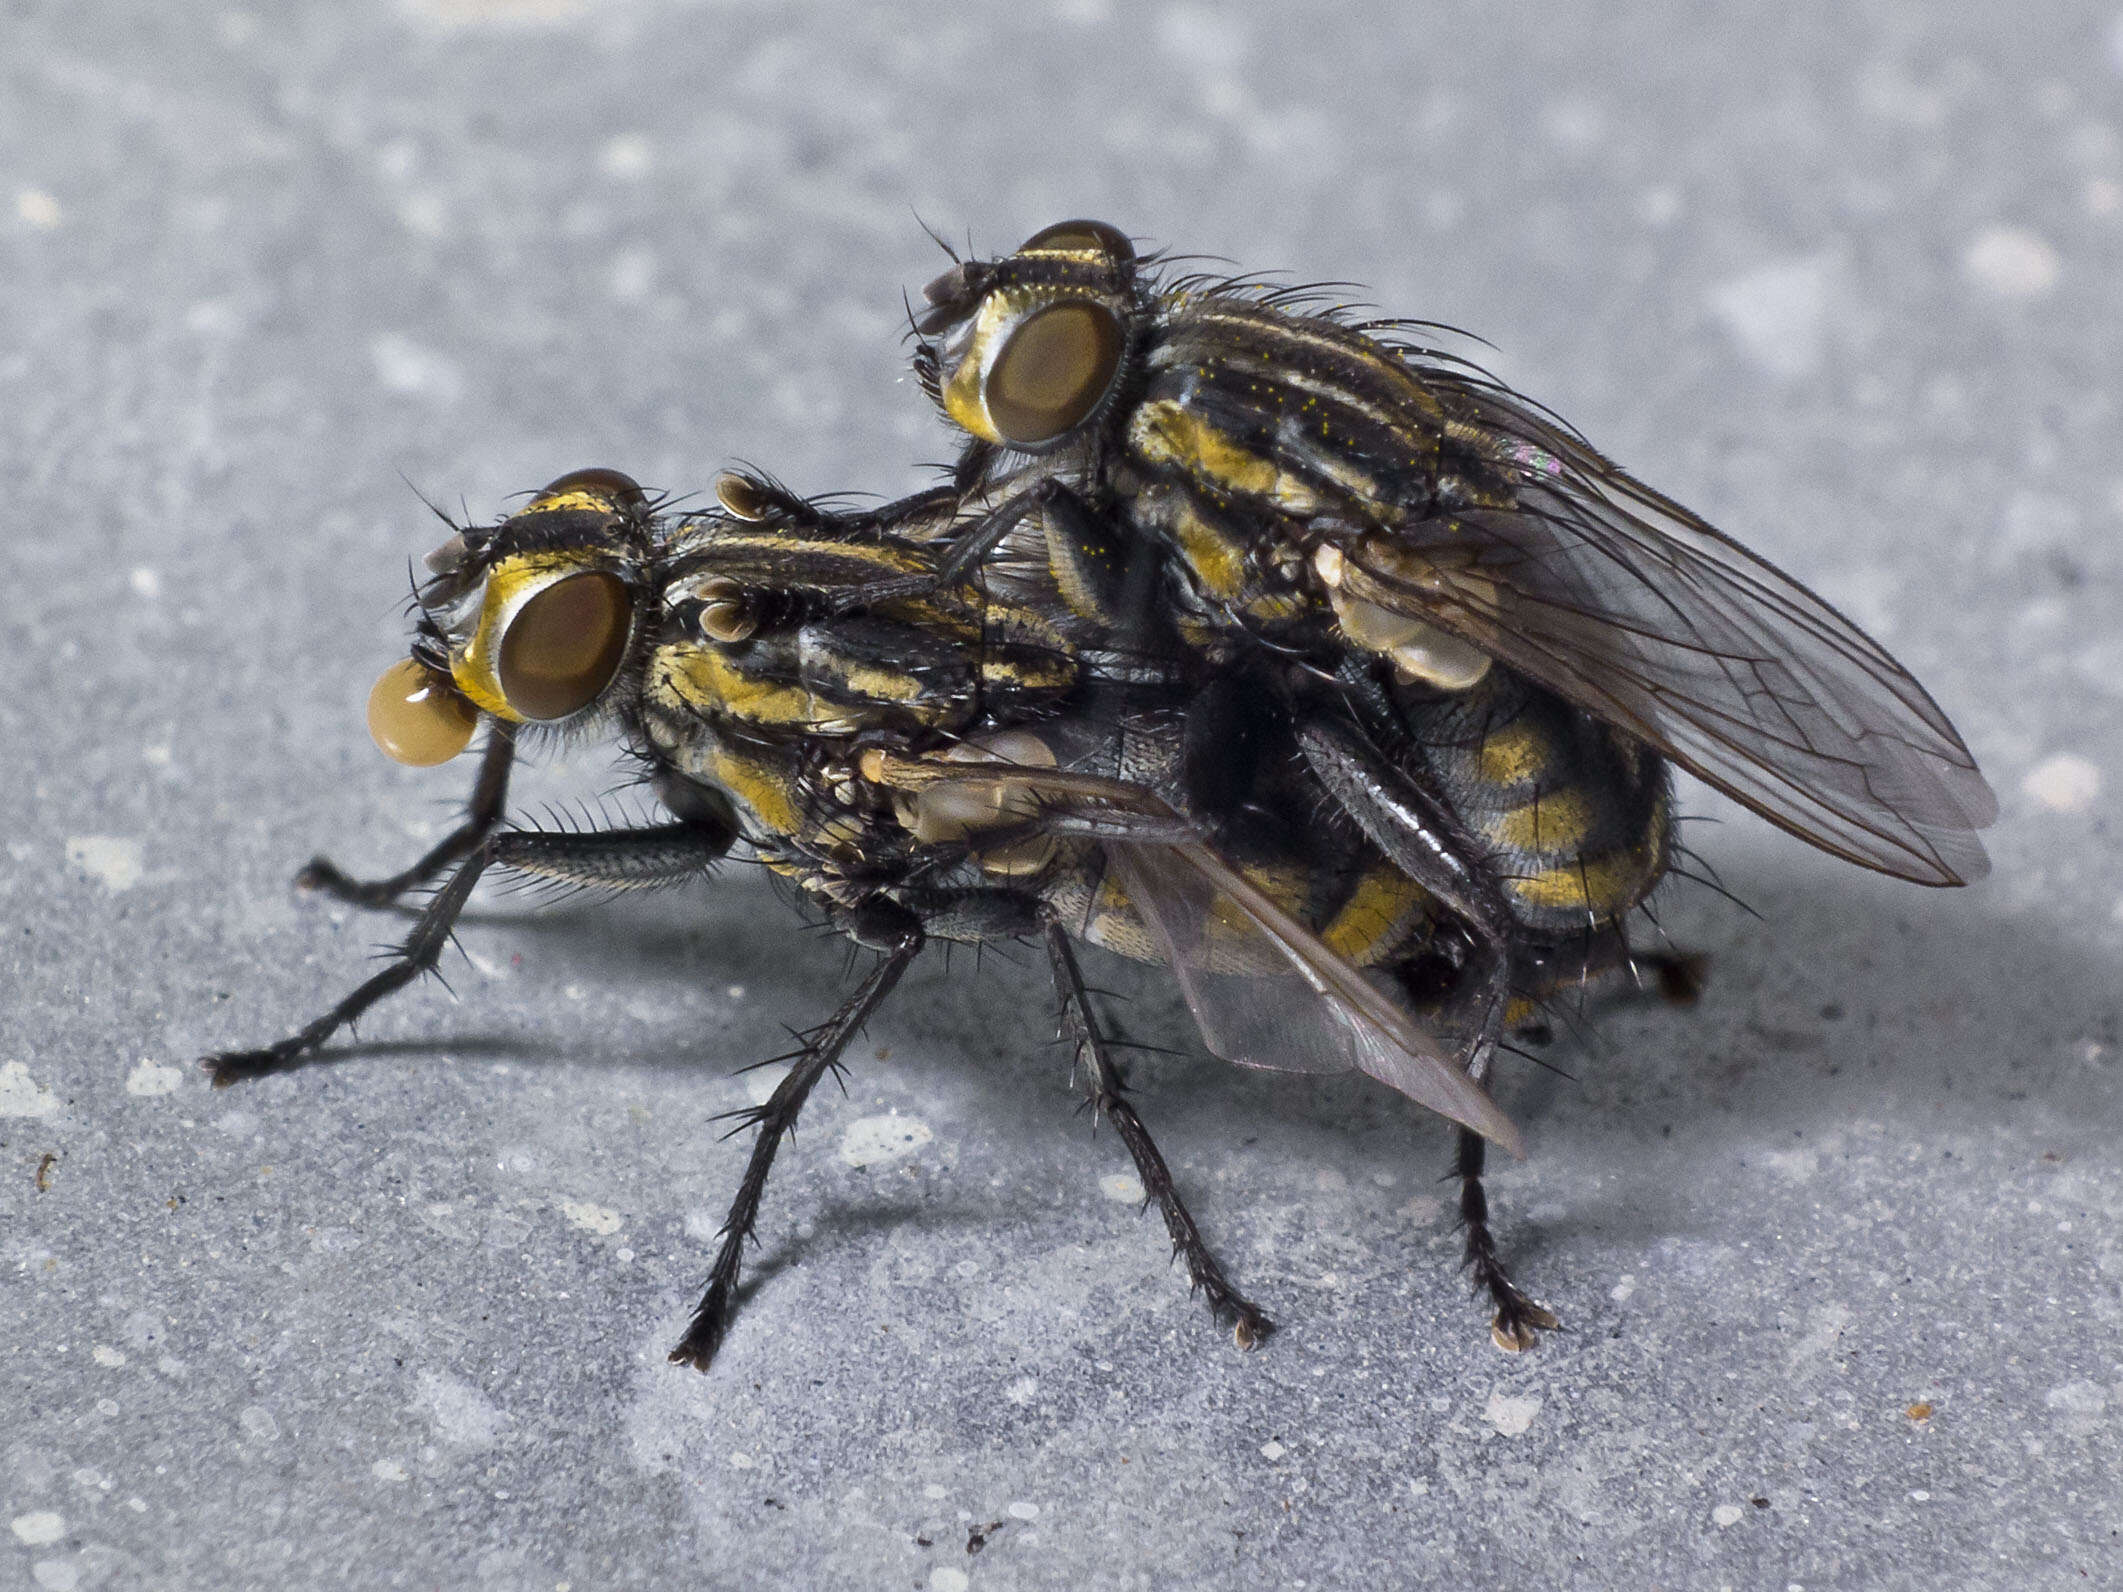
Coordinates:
x,y
1840,1249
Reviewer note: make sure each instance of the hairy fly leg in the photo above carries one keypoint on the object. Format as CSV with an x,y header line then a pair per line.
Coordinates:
x,y
1668,974
967,550
612,859
1107,1094
415,956
1421,835
647,858
482,815
899,935
1518,1322
1673,976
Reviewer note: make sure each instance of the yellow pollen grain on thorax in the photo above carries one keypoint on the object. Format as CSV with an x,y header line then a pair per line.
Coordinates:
x,y
1371,921
1512,754
1557,820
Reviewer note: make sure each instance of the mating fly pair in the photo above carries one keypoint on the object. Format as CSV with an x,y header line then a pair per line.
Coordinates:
x,y
967,763
1310,663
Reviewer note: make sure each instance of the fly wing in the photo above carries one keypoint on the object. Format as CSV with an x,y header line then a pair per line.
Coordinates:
x,y
1264,989
1318,1014
1633,608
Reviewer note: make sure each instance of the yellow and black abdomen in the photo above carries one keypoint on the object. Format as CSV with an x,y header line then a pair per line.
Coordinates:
x,y
1576,815
1372,916
1232,764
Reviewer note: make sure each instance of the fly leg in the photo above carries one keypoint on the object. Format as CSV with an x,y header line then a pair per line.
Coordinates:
x,y
1670,974
1421,835
617,859
899,935
1108,1098
966,553
647,858
1424,838
1518,1322
490,794
417,955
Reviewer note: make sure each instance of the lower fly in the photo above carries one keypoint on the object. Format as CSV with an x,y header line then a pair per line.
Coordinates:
x,y
954,763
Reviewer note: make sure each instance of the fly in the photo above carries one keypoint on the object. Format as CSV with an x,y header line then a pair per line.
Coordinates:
x,y
944,765
1327,487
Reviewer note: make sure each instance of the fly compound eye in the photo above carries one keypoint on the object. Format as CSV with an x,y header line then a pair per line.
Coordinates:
x,y
562,647
1053,371
611,488
1077,237
417,718
1045,375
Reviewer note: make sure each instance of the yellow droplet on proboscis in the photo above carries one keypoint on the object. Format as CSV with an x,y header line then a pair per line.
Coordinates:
x,y
416,719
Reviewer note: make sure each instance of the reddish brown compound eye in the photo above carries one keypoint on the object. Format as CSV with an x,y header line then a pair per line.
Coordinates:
x,y
615,487
1077,236
563,646
417,717
1054,370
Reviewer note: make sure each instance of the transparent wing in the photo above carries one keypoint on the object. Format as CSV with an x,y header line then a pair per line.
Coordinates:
x,y
1633,608
1265,990
1318,1014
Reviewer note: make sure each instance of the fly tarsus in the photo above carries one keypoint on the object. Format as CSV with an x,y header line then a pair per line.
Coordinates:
x,y
1108,1097
419,953
610,858
326,877
1679,977
483,813
1519,1322
820,1053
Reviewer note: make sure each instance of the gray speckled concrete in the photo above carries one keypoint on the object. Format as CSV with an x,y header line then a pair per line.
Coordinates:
x,y
1842,276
